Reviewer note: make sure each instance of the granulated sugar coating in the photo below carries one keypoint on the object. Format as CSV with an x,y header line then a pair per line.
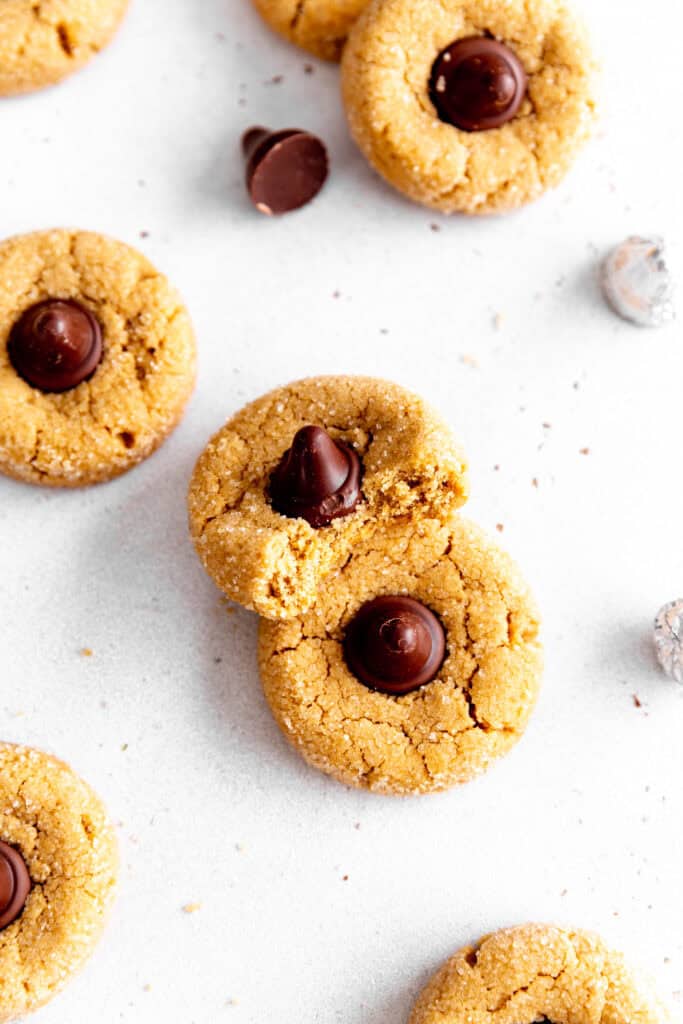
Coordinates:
x,y
42,43
537,973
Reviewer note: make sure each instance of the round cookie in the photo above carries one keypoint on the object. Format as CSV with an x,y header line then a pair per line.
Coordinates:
x,y
55,828
319,26
536,973
274,562
42,43
390,91
136,394
450,729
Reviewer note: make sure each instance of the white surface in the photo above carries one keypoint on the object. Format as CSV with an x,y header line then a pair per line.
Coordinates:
x,y
582,824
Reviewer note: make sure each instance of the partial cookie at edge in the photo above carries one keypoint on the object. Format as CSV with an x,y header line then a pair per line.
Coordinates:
x,y
59,826
42,43
319,26
524,974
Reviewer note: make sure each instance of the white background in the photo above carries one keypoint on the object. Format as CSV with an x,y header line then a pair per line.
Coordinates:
x,y
582,824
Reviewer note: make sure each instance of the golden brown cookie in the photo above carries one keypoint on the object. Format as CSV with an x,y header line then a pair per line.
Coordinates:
x,y
132,399
536,973
532,85
450,729
41,43
319,26
53,831
273,562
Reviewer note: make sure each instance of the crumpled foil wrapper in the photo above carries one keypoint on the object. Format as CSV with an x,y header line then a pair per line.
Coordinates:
x,y
669,639
637,282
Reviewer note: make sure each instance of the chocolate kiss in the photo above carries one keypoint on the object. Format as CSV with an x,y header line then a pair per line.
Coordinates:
x,y
395,645
318,479
15,884
315,467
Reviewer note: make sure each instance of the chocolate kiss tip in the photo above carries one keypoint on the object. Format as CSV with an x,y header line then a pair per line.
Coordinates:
x,y
316,466
395,645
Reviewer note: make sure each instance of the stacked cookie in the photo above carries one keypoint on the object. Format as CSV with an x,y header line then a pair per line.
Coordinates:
x,y
470,106
537,973
399,645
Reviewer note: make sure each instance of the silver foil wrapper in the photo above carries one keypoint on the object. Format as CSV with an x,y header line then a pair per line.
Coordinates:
x,y
637,282
669,639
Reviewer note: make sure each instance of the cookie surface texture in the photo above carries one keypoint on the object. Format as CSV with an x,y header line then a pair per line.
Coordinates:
x,y
449,730
319,26
59,827
387,68
139,390
42,43
273,564
533,973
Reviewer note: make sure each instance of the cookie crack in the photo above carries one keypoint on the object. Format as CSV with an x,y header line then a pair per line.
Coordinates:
x,y
298,15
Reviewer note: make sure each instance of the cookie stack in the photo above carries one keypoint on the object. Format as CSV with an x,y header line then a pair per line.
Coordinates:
x,y
399,645
467,106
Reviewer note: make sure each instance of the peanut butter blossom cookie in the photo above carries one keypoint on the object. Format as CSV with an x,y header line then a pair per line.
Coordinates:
x,y
58,866
472,106
97,358
537,973
319,26
41,43
291,484
418,665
